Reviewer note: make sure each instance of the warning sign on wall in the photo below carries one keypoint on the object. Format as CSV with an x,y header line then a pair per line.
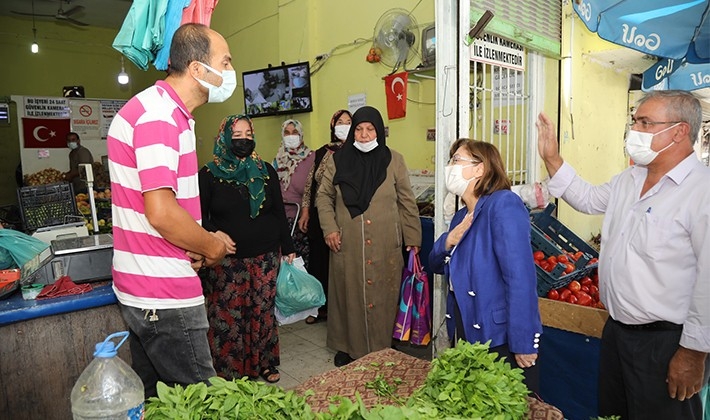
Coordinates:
x,y
86,118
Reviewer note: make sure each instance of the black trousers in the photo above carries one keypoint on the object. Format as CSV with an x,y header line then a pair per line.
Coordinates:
x,y
531,375
633,366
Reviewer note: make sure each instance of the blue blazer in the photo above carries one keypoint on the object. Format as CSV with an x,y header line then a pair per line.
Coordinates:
x,y
493,275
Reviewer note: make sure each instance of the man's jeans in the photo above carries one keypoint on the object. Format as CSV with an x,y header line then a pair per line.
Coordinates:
x,y
169,345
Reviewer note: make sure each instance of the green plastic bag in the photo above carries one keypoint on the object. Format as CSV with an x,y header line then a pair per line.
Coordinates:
x,y
17,248
296,290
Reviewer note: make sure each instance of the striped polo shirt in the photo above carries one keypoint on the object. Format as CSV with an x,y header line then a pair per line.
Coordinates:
x,y
151,145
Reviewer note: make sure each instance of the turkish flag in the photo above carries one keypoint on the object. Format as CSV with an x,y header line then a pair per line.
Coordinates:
x,y
396,91
45,133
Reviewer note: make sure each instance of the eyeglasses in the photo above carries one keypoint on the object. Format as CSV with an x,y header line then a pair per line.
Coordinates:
x,y
456,159
646,124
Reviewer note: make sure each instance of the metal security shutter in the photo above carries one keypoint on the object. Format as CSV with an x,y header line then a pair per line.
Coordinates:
x,y
535,24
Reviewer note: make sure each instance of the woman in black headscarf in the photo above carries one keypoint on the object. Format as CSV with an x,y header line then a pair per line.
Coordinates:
x,y
368,213
309,223
241,197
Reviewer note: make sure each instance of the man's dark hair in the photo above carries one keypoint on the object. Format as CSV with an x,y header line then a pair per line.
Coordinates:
x,y
75,134
190,43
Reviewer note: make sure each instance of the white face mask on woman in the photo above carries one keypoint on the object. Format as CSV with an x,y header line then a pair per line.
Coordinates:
x,y
638,146
222,92
455,182
291,141
366,147
341,131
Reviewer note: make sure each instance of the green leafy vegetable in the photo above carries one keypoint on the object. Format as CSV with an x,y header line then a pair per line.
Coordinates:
x,y
466,382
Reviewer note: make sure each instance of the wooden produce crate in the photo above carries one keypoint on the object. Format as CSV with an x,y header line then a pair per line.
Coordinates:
x,y
579,319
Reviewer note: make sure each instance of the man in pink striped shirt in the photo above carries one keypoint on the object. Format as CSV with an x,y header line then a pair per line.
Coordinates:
x,y
159,242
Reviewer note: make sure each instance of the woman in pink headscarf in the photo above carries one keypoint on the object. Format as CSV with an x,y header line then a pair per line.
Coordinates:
x,y
293,162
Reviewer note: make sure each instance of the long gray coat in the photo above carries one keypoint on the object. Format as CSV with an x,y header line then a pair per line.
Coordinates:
x,y
365,276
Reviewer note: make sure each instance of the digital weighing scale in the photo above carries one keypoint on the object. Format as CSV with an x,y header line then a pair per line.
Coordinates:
x,y
84,259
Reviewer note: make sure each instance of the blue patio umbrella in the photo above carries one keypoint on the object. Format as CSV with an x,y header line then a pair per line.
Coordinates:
x,y
676,29
676,74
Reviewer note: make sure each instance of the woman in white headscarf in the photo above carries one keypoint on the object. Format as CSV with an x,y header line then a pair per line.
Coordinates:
x,y
293,162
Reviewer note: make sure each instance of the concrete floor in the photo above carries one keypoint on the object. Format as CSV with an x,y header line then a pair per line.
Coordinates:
x,y
304,353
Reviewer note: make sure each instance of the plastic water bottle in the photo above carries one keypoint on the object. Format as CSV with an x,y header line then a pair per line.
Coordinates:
x,y
108,388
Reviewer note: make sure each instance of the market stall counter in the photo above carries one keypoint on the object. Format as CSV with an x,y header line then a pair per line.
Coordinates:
x,y
46,344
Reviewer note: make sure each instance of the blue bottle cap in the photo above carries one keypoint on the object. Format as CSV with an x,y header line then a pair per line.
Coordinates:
x,y
107,348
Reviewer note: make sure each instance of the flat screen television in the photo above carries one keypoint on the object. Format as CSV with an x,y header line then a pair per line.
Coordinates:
x,y
278,90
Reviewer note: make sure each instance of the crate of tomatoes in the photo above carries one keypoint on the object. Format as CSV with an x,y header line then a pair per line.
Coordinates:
x,y
566,265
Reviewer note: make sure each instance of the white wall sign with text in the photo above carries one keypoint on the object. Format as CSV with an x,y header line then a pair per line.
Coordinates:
x,y
498,51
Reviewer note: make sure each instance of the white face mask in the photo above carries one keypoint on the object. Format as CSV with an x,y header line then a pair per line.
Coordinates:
x,y
291,141
455,182
341,131
638,146
366,147
222,92
72,145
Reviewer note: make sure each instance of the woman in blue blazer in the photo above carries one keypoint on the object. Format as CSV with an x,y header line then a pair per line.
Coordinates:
x,y
487,257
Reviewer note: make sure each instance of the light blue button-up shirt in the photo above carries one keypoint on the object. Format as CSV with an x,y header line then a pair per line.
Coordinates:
x,y
654,263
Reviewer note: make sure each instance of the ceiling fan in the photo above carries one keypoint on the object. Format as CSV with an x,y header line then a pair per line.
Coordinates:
x,y
61,15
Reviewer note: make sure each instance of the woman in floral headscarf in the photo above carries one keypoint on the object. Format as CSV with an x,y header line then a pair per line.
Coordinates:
x,y
240,196
293,162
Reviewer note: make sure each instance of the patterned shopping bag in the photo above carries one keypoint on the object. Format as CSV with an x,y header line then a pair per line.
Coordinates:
x,y
421,315
403,322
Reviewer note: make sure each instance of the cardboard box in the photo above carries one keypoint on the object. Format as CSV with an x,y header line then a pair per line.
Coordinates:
x,y
575,318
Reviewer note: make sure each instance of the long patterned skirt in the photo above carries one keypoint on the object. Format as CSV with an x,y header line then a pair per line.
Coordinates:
x,y
243,335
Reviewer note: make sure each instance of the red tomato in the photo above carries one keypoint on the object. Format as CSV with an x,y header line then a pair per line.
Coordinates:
x,y
553,294
585,288
583,299
565,294
572,299
592,261
550,267
578,255
538,255
569,267
552,260
562,258
586,281
600,305
543,264
574,286
593,289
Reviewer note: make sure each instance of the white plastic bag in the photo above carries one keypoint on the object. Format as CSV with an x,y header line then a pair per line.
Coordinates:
x,y
298,316
535,196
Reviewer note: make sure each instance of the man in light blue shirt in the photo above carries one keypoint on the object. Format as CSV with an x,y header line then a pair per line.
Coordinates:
x,y
654,264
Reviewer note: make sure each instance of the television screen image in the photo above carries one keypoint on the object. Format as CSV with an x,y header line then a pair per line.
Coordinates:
x,y
278,90
429,46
